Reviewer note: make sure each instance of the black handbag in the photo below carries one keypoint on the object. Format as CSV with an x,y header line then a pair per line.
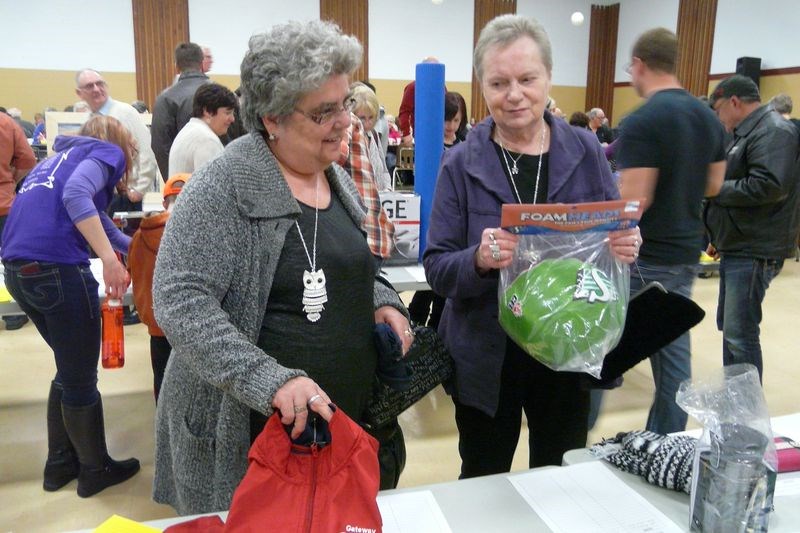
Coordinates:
x,y
430,365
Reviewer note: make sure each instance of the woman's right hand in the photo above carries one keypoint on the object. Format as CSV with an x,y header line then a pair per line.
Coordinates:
x,y
496,250
115,277
295,398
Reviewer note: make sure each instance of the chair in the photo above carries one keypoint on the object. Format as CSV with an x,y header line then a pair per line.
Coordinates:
x,y
405,161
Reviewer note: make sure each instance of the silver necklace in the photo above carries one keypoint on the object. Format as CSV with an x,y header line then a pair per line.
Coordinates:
x,y
513,171
315,295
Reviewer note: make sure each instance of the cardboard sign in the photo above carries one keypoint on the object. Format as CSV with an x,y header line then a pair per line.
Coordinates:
x,y
403,210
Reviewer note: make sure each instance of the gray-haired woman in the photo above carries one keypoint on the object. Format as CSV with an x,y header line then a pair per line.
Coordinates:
x,y
265,285
520,154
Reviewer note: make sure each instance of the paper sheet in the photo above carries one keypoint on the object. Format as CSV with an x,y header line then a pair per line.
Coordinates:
x,y
120,524
588,497
787,486
418,273
412,512
786,426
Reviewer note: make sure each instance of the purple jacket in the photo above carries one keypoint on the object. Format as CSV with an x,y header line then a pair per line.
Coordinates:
x,y
471,188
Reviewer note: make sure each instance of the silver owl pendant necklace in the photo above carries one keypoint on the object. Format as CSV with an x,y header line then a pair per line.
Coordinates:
x,y
314,293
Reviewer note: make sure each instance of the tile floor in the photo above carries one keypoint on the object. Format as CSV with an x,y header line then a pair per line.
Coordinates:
x,y
27,368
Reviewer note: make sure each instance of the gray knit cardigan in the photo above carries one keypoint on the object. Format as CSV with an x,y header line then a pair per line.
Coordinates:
x,y
212,280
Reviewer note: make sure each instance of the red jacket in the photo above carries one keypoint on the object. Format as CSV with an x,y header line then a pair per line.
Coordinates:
x,y
308,489
405,117
304,489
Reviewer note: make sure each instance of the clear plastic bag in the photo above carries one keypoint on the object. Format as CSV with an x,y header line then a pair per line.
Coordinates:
x,y
735,464
564,297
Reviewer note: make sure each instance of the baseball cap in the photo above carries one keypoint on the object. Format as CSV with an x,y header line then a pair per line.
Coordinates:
x,y
736,85
565,313
170,188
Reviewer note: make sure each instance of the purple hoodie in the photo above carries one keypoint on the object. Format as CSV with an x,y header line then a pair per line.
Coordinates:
x,y
72,185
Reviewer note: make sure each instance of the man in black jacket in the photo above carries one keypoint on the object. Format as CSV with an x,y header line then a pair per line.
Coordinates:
x,y
753,221
173,107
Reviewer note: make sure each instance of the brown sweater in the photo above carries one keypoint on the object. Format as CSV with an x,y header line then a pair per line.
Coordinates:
x,y
141,263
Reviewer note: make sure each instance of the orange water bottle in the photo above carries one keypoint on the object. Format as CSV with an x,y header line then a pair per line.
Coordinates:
x,y
113,335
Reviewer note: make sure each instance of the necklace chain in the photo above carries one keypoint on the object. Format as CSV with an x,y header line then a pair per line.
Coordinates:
x,y
312,257
512,171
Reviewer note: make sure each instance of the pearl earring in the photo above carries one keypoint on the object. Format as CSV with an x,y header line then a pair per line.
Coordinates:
x,y
271,137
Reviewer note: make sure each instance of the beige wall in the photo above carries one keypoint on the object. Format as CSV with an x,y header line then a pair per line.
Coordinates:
x,y
626,99
390,93
569,99
34,90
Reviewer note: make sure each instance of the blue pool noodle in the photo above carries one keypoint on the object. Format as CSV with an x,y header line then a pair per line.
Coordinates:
x,y
428,139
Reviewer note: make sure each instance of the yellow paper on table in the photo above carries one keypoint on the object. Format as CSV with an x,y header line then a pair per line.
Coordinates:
x,y
119,524
5,296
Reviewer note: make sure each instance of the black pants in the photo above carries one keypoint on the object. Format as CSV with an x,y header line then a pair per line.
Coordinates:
x,y
424,304
555,403
391,454
160,349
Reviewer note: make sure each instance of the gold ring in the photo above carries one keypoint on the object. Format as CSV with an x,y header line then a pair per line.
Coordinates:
x,y
298,410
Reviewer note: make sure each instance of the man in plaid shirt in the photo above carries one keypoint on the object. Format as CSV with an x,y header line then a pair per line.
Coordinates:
x,y
355,160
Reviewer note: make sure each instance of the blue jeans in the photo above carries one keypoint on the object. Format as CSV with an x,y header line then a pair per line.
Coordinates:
x,y
62,302
672,364
743,282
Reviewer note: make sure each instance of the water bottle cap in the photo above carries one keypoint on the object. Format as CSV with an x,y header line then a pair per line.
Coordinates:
x,y
113,302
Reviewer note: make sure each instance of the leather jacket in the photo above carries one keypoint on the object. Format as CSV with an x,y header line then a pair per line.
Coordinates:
x,y
756,211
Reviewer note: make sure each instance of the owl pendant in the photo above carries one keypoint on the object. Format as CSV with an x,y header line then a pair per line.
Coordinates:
x,y
314,294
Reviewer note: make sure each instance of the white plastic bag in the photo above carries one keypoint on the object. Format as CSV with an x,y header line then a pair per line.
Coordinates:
x,y
564,297
735,464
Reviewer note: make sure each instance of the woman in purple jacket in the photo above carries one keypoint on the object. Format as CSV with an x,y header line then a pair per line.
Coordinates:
x,y
520,154
60,208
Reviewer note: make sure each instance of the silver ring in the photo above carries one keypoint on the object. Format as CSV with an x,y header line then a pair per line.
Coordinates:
x,y
298,410
408,333
491,237
314,398
495,248
496,256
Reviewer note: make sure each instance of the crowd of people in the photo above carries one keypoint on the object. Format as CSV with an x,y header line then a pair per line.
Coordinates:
x,y
260,283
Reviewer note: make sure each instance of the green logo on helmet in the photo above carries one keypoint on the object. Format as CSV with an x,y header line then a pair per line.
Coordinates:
x,y
593,286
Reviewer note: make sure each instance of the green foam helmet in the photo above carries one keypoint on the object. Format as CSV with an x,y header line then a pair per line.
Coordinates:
x,y
565,313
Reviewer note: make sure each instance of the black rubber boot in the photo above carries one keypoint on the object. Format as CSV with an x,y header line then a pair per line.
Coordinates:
x,y
87,433
62,462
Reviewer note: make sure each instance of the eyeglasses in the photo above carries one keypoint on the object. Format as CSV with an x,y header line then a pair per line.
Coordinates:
x,y
326,115
718,108
91,85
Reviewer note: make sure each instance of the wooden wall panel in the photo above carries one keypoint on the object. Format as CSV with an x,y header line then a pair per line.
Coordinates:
x,y
352,16
485,10
696,22
158,27
602,58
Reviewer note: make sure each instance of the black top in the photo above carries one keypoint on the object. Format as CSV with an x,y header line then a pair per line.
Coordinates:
x,y
528,166
605,134
337,351
680,136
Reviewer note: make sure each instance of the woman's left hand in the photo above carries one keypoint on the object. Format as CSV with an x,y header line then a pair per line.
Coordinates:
x,y
398,322
625,244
